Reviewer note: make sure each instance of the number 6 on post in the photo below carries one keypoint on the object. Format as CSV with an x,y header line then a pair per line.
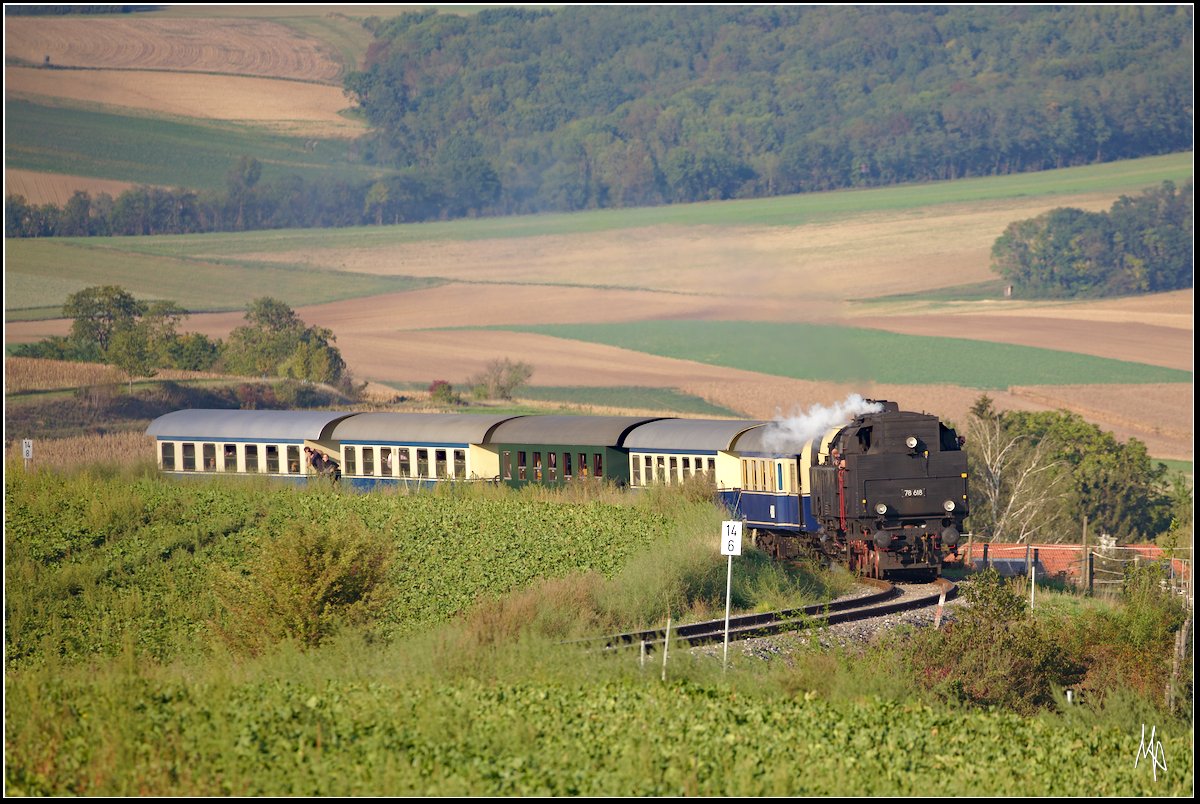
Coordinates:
x,y
731,538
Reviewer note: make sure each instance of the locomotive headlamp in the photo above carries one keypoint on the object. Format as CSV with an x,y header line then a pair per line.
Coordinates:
x,y
911,441
881,508
948,505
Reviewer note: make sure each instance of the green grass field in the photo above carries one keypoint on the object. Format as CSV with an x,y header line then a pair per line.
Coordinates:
x,y
845,354
145,149
40,273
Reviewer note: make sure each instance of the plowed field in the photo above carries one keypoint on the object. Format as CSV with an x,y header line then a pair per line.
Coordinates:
x,y
57,188
231,46
290,107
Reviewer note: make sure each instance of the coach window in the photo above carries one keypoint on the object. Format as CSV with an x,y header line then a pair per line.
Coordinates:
x,y
506,464
423,463
598,464
351,460
520,464
189,457
252,457
209,456
583,464
230,451
168,455
566,466
552,467
686,465
293,460
636,470
439,460
368,460
674,470
272,459
405,465
792,478
460,464
537,467
660,471
387,462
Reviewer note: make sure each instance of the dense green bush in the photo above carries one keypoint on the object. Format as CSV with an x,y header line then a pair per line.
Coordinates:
x,y
305,584
995,655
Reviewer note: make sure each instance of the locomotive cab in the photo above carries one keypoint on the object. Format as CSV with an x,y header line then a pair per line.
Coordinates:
x,y
896,497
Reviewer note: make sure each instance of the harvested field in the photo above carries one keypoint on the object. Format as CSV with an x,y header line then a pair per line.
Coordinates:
x,y
233,46
290,107
1157,415
869,255
1137,342
1156,329
22,374
57,188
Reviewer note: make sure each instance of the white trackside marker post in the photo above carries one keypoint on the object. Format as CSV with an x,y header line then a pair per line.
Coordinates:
x,y
731,545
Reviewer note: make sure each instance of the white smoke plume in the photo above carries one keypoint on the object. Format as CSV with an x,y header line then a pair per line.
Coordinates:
x,y
789,435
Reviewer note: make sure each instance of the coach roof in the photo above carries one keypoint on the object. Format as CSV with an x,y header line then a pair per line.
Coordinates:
x,y
695,435
253,425
598,431
418,428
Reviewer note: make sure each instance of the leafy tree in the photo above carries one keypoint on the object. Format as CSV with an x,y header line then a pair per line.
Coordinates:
x,y
501,378
1038,473
1142,245
1117,485
132,351
275,342
1017,482
442,392
193,351
241,180
99,312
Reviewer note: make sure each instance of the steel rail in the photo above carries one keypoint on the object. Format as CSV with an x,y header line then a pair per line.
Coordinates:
x,y
766,624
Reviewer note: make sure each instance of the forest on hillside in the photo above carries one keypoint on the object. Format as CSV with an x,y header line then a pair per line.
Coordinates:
x,y
515,111
587,107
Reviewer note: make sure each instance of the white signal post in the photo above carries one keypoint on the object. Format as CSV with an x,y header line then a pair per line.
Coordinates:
x,y
27,450
731,545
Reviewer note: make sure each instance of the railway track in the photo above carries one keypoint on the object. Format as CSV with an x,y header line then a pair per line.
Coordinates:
x,y
881,602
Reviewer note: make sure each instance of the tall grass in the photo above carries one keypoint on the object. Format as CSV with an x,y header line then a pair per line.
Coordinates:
x,y
105,452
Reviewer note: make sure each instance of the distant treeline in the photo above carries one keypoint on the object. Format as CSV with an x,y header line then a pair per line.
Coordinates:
x,y
110,326
587,107
1142,245
33,11
246,203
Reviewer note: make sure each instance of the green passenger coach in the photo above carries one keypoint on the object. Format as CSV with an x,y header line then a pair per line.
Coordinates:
x,y
558,449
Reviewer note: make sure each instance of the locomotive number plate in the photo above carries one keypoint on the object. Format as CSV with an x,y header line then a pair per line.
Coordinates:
x,y
912,492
